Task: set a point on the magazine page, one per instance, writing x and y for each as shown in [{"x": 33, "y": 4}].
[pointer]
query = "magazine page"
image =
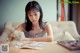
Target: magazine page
[{"x": 29, "y": 45}]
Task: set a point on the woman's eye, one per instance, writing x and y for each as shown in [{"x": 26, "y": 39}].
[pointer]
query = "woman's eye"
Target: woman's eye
[
  {"x": 35, "y": 14},
  {"x": 30, "y": 15}
]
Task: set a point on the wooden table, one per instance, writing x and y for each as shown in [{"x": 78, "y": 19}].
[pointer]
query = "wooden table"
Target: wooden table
[{"x": 51, "y": 47}]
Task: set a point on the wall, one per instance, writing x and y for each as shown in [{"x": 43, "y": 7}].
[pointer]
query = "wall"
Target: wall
[
  {"x": 76, "y": 16},
  {"x": 13, "y": 10}
]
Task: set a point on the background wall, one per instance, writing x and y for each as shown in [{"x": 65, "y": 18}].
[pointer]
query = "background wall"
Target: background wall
[{"x": 14, "y": 10}]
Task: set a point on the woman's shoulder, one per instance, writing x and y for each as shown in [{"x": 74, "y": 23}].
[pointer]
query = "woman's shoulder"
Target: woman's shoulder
[
  {"x": 21, "y": 26},
  {"x": 47, "y": 25}
]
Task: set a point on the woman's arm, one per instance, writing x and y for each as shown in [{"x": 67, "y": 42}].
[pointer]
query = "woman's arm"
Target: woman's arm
[
  {"x": 49, "y": 31},
  {"x": 49, "y": 38},
  {"x": 41, "y": 39}
]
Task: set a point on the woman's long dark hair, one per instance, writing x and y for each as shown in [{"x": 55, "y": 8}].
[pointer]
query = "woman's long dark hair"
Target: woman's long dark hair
[{"x": 32, "y": 5}]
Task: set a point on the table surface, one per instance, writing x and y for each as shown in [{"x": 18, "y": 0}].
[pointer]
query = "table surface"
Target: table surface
[{"x": 51, "y": 47}]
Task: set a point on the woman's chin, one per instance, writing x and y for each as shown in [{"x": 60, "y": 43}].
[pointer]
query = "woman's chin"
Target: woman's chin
[{"x": 35, "y": 22}]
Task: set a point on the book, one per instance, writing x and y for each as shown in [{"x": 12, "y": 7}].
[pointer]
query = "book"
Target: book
[{"x": 70, "y": 44}]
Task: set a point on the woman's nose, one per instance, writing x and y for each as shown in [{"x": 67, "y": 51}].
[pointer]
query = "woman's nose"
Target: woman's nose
[{"x": 34, "y": 18}]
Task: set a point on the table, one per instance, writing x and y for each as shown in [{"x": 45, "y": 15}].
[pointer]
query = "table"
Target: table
[{"x": 51, "y": 47}]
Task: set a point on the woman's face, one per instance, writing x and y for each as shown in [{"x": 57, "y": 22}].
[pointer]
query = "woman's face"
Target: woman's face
[{"x": 34, "y": 16}]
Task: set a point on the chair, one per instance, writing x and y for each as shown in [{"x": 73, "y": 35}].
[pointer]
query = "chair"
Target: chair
[
  {"x": 67, "y": 28},
  {"x": 62, "y": 30}
]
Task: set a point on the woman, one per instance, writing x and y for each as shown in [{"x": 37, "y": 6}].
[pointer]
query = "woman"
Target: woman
[{"x": 34, "y": 28}]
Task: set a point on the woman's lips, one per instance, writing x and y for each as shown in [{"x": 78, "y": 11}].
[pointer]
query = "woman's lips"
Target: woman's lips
[{"x": 34, "y": 21}]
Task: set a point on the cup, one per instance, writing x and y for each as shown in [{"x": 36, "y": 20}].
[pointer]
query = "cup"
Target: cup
[{"x": 4, "y": 48}]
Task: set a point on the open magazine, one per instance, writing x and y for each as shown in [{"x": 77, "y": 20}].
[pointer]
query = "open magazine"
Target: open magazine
[
  {"x": 30, "y": 45},
  {"x": 70, "y": 44}
]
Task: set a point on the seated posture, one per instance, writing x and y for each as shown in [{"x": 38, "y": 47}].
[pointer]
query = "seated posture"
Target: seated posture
[{"x": 34, "y": 28}]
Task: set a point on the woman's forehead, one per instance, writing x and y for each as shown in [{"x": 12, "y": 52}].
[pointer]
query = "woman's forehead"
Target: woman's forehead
[{"x": 32, "y": 11}]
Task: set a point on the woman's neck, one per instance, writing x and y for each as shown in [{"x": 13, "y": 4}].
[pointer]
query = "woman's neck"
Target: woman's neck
[{"x": 36, "y": 26}]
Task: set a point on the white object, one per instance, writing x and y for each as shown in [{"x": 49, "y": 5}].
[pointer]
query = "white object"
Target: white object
[{"x": 19, "y": 35}]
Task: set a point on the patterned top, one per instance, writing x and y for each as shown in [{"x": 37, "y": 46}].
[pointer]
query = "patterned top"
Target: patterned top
[{"x": 41, "y": 34}]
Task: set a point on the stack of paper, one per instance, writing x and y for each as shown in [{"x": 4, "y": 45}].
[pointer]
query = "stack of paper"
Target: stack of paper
[{"x": 31, "y": 45}]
